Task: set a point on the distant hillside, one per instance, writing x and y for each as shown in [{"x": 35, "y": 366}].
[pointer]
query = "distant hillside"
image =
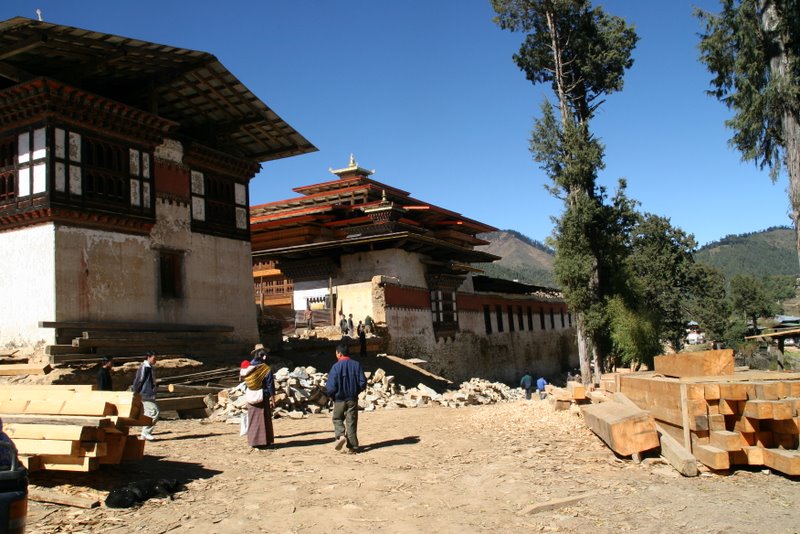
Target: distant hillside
[
  {"x": 768, "y": 252},
  {"x": 523, "y": 259}
]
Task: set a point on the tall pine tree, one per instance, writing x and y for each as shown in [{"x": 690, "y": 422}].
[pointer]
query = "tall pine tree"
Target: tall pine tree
[{"x": 582, "y": 52}]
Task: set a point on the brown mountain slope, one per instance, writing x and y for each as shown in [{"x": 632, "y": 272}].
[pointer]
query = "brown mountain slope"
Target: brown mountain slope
[{"x": 523, "y": 259}]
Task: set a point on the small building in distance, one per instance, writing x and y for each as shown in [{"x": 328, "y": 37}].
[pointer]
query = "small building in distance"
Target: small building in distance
[
  {"x": 357, "y": 246},
  {"x": 124, "y": 190}
]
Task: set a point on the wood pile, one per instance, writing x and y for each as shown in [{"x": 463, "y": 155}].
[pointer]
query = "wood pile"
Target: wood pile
[
  {"x": 71, "y": 428},
  {"x": 724, "y": 420},
  {"x": 87, "y": 342}
]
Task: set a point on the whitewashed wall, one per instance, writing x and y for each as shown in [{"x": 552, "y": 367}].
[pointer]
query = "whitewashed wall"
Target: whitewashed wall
[{"x": 27, "y": 286}]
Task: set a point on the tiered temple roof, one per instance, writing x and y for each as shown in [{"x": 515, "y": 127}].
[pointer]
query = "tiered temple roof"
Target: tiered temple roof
[{"x": 356, "y": 213}]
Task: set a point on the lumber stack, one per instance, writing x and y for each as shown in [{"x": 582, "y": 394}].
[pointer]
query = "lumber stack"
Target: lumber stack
[
  {"x": 740, "y": 418},
  {"x": 71, "y": 428},
  {"x": 88, "y": 341}
]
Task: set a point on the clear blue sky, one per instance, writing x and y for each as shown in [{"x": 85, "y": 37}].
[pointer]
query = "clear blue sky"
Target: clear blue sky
[{"x": 426, "y": 93}]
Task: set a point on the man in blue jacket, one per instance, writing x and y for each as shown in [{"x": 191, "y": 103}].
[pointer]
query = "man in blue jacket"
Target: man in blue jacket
[
  {"x": 345, "y": 381},
  {"x": 145, "y": 385}
]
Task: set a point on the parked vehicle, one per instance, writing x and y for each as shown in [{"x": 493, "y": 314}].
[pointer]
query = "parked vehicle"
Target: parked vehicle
[{"x": 13, "y": 494}]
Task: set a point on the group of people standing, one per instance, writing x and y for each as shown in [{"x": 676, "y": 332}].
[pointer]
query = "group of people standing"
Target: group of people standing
[
  {"x": 347, "y": 330},
  {"x": 526, "y": 383},
  {"x": 346, "y": 380}
]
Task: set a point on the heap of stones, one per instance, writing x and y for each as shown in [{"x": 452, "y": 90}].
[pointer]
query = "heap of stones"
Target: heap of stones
[{"x": 302, "y": 391}]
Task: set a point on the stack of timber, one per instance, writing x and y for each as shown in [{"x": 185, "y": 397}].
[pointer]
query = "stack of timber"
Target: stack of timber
[
  {"x": 71, "y": 428},
  {"x": 563, "y": 398},
  {"x": 86, "y": 342},
  {"x": 724, "y": 418},
  {"x": 13, "y": 365}
]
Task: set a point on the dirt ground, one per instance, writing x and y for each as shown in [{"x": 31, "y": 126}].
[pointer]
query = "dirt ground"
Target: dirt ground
[{"x": 434, "y": 469}]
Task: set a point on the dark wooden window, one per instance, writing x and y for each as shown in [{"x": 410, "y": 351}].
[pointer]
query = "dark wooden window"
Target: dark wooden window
[
  {"x": 171, "y": 274},
  {"x": 569, "y": 318},
  {"x": 520, "y": 319},
  {"x": 220, "y": 201},
  {"x": 530, "y": 318},
  {"x": 487, "y": 318},
  {"x": 563, "y": 323},
  {"x": 8, "y": 176},
  {"x": 510, "y": 310},
  {"x": 498, "y": 310},
  {"x": 541, "y": 318},
  {"x": 105, "y": 171},
  {"x": 443, "y": 308},
  {"x": 552, "y": 319}
]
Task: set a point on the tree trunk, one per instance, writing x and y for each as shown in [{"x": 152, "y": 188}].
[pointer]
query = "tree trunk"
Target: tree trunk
[
  {"x": 583, "y": 350},
  {"x": 781, "y": 69}
]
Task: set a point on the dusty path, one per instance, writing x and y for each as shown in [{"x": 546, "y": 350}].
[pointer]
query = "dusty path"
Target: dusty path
[{"x": 422, "y": 470}]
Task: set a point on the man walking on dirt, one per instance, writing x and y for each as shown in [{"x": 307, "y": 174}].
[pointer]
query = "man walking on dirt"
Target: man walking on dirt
[
  {"x": 345, "y": 381},
  {"x": 145, "y": 385}
]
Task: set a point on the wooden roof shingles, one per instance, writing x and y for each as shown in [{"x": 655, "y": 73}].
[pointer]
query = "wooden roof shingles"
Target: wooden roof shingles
[{"x": 189, "y": 87}]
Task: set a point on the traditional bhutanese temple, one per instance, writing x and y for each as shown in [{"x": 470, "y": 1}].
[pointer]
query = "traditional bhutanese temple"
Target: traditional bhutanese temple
[{"x": 355, "y": 245}]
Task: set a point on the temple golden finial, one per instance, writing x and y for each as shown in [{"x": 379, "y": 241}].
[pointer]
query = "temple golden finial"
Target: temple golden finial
[{"x": 353, "y": 160}]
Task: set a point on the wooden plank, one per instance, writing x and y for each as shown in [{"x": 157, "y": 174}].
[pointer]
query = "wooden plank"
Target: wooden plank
[
  {"x": 768, "y": 390},
  {"x": 32, "y": 447},
  {"x": 728, "y": 407},
  {"x": 43, "y": 495},
  {"x": 24, "y": 369},
  {"x": 134, "y": 326},
  {"x": 716, "y": 422},
  {"x": 31, "y": 463},
  {"x": 712, "y": 457},
  {"x": 701, "y": 363},
  {"x": 787, "y": 462},
  {"x": 134, "y": 448},
  {"x": 577, "y": 390},
  {"x": 190, "y": 390},
  {"x": 625, "y": 429},
  {"x": 68, "y": 463},
  {"x": 769, "y": 409},
  {"x": 678, "y": 456},
  {"x": 115, "y": 446},
  {"x": 733, "y": 391},
  {"x": 687, "y": 441},
  {"x": 182, "y": 403},
  {"x": 755, "y": 455},
  {"x": 97, "y": 422},
  {"x": 726, "y": 440},
  {"x": 747, "y": 424},
  {"x": 57, "y": 432},
  {"x": 785, "y": 440}
]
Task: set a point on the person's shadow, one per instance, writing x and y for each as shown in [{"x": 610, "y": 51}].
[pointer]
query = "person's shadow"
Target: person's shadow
[{"x": 408, "y": 440}]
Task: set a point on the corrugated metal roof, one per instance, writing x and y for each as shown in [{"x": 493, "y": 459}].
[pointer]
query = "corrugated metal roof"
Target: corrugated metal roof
[{"x": 186, "y": 86}]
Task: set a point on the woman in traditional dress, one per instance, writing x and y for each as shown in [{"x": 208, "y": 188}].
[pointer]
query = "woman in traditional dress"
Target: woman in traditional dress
[{"x": 260, "y": 397}]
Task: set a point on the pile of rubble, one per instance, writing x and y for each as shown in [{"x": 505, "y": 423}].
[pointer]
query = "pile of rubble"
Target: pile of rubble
[{"x": 302, "y": 391}]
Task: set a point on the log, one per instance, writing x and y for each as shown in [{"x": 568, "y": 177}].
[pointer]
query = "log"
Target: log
[
  {"x": 24, "y": 369},
  {"x": 58, "y": 432},
  {"x": 673, "y": 452},
  {"x": 192, "y": 390},
  {"x": 787, "y": 462},
  {"x": 702, "y": 363},
  {"x": 577, "y": 390},
  {"x": 712, "y": 456},
  {"x": 625, "y": 429},
  {"x": 42, "y": 495},
  {"x": 96, "y": 422},
  {"x": 182, "y": 403}
]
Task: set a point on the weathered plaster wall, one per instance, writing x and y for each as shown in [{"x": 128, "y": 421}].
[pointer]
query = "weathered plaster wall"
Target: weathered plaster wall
[
  {"x": 107, "y": 276},
  {"x": 404, "y": 267},
  {"x": 499, "y": 356},
  {"x": 27, "y": 285}
]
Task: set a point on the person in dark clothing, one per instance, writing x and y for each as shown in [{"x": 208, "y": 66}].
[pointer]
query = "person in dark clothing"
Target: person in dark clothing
[
  {"x": 526, "y": 383},
  {"x": 145, "y": 385},
  {"x": 362, "y": 339},
  {"x": 104, "y": 374},
  {"x": 345, "y": 381}
]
